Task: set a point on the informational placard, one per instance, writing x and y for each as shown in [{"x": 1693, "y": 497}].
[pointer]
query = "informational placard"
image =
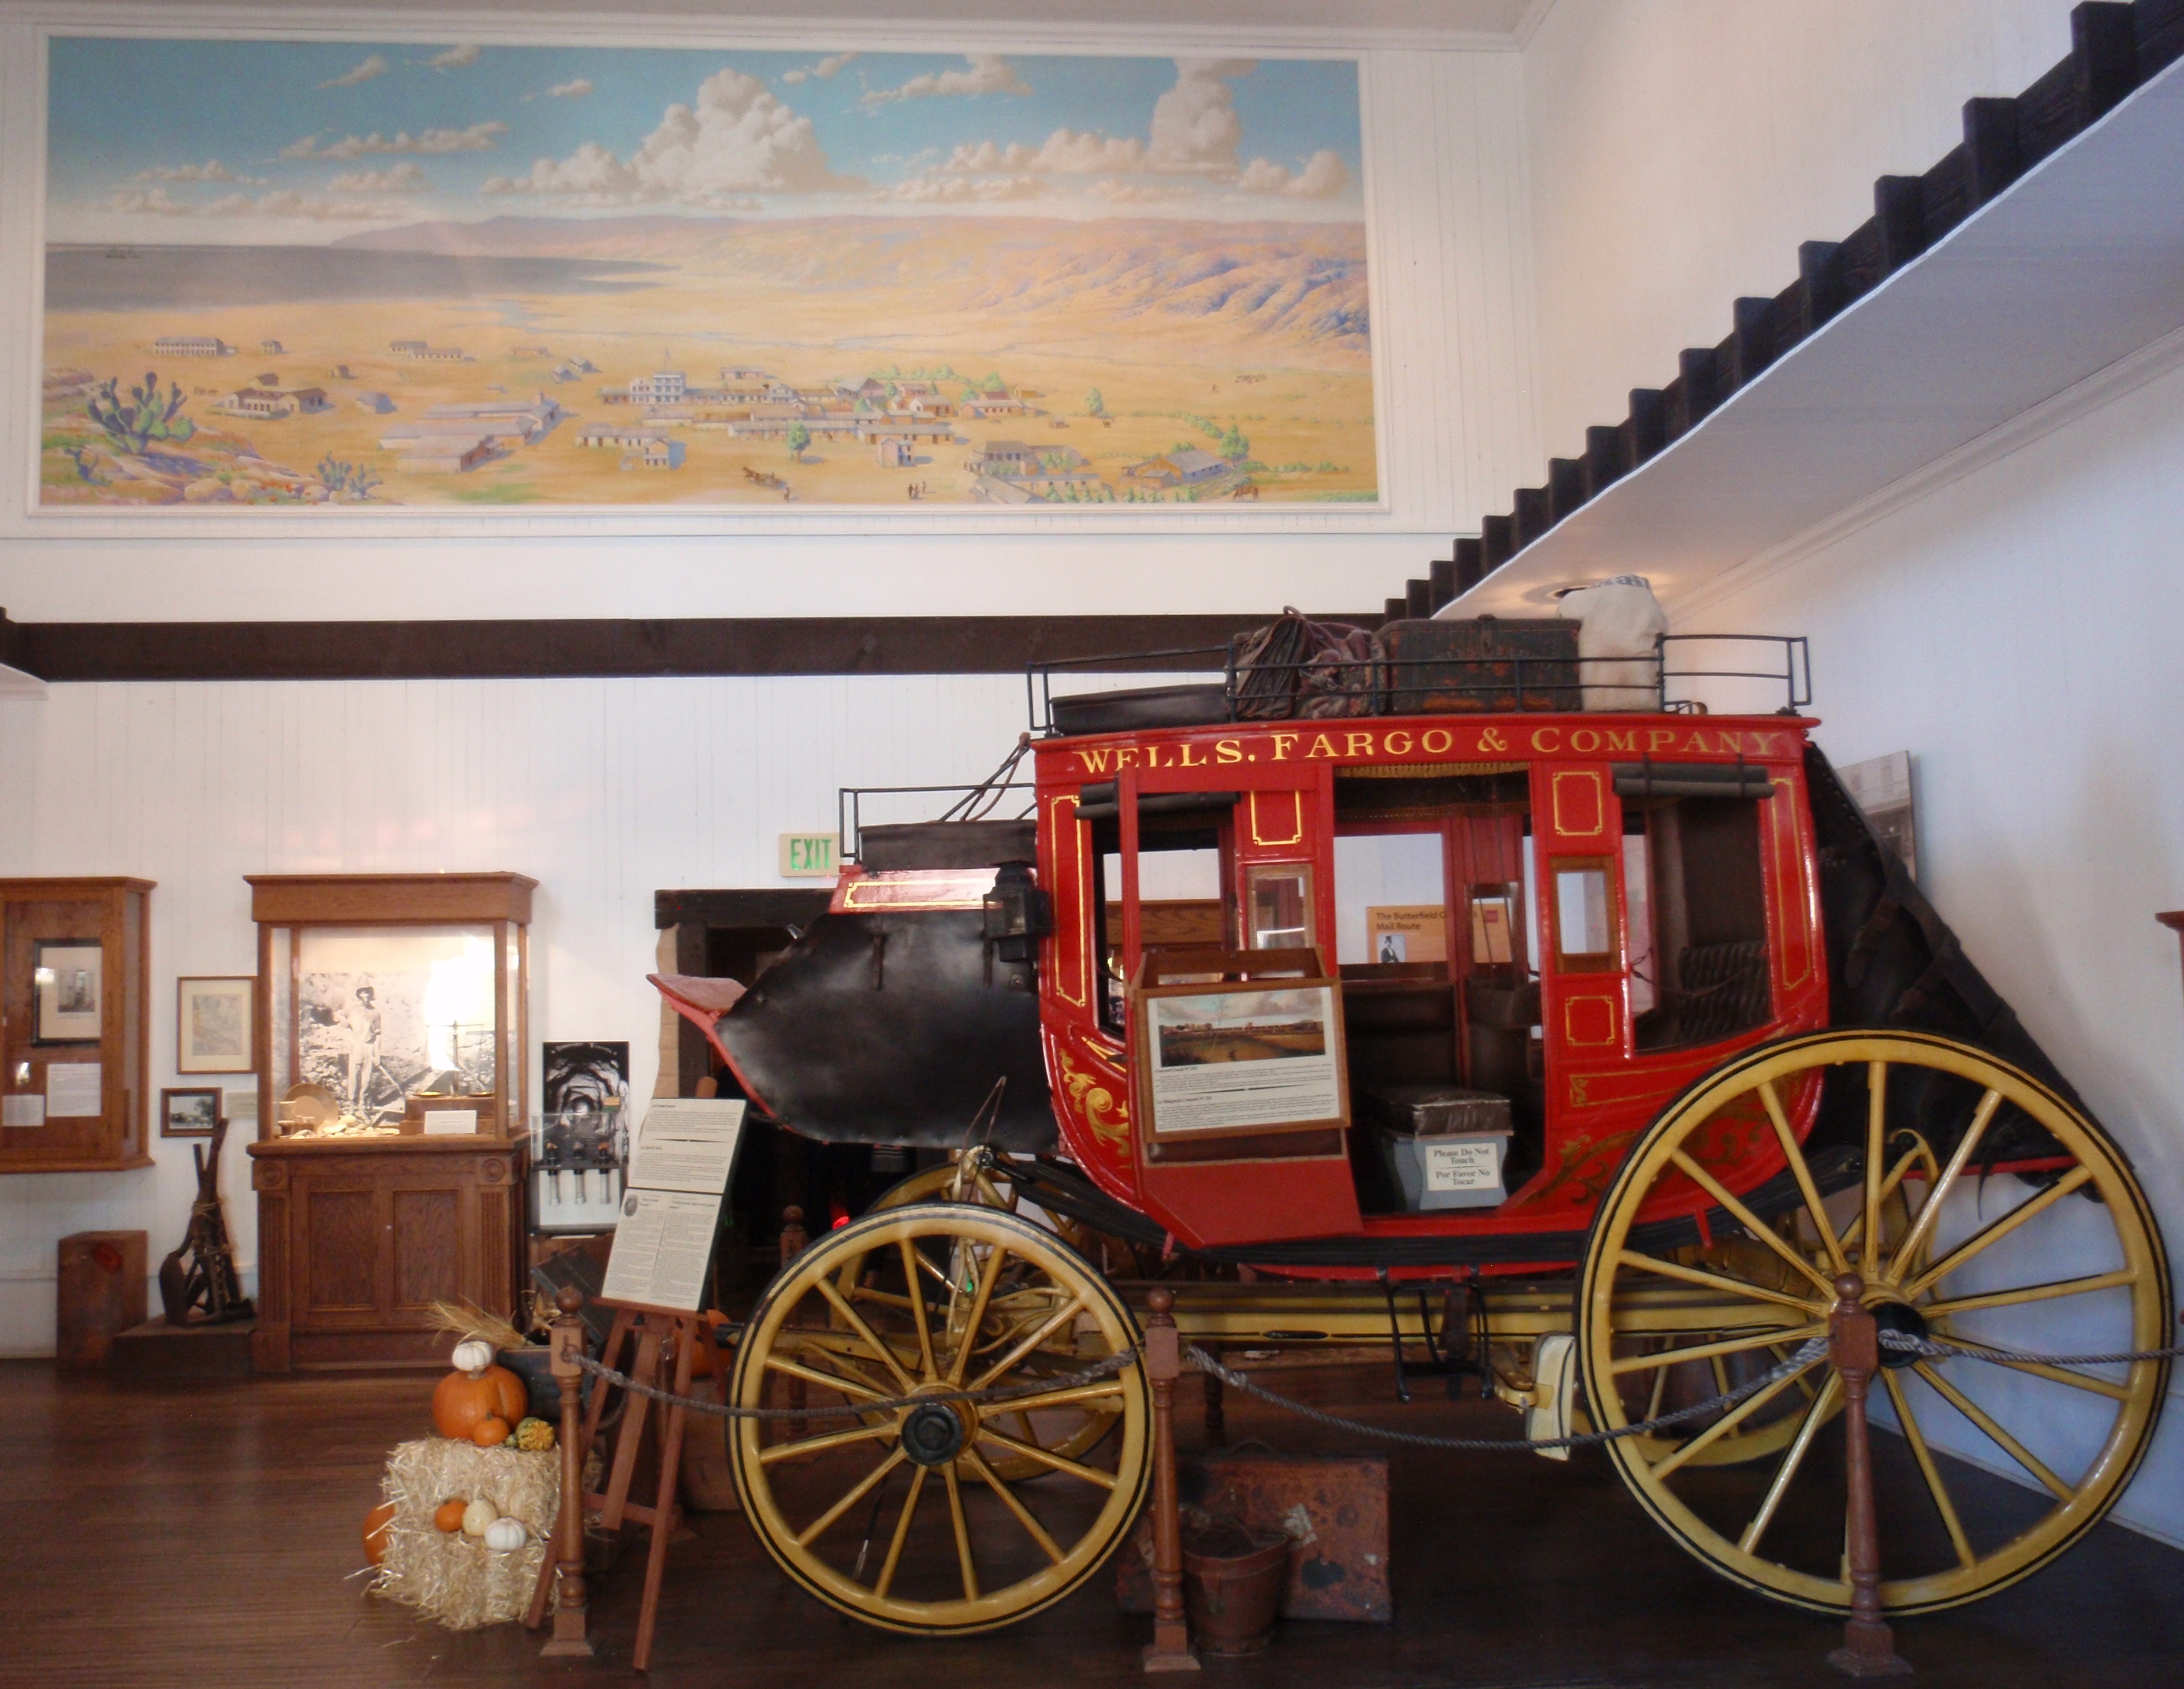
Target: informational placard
[
  {"x": 451, "y": 1123},
  {"x": 23, "y": 1109},
  {"x": 1466, "y": 1164},
  {"x": 72, "y": 1091},
  {"x": 660, "y": 1250},
  {"x": 1406, "y": 932},
  {"x": 678, "y": 1172},
  {"x": 688, "y": 1144},
  {"x": 1246, "y": 1057}
]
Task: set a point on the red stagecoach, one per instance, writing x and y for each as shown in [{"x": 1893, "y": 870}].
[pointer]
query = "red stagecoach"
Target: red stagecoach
[{"x": 1412, "y": 1001}]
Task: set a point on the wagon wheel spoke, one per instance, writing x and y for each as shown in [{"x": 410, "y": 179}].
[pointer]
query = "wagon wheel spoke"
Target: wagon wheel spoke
[
  {"x": 1075, "y": 1395},
  {"x": 1995, "y": 1433},
  {"x": 1750, "y": 1222},
  {"x": 857, "y": 1392},
  {"x": 819, "y": 1445},
  {"x": 1721, "y": 1384},
  {"x": 1038, "y": 1532},
  {"x": 2077, "y": 1381},
  {"x": 1795, "y": 1157},
  {"x": 886, "y": 1579},
  {"x": 1816, "y": 1415},
  {"x": 977, "y": 1317},
  {"x": 2029, "y": 1293},
  {"x": 1031, "y": 1451},
  {"x": 883, "y": 1352},
  {"x": 1930, "y": 1210},
  {"x": 1911, "y": 1157},
  {"x": 910, "y": 1260},
  {"x": 1715, "y": 1281},
  {"x": 963, "y": 1561},
  {"x": 1727, "y": 1423},
  {"x": 1994, "y": 1233},
  {"x": 1876, "y": 1138},
  {"x": 1928, "y": 1469},
  {"x": 1060, "y": 1317},
  {"x": 819, "y": 1527}
]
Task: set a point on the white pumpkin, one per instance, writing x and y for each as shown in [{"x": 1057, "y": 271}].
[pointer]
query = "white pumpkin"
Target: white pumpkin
[
  {"x": 478, "y": 1517},
  {"x": 505, "y": 1534},
  {"x": 473, "y": 1356}
]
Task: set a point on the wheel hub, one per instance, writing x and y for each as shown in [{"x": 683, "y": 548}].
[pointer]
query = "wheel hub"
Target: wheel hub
[
  {"x": 932, "y": 1434},
  {"x": 1896, "y": 1316}
]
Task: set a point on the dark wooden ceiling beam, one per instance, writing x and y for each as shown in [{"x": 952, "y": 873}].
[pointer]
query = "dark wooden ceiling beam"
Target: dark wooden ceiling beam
[{"x": 65, "y": 651}]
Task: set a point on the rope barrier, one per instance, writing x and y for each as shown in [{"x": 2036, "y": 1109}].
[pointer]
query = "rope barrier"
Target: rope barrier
[{"x": 1809, "y": 1354}]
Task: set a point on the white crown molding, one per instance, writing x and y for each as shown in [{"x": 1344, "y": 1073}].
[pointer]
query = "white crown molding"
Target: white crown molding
[
  {"x": 15, "y": 684},
  {"x": 606, "y": 25},
  {"x": 2103, "y": 386}
]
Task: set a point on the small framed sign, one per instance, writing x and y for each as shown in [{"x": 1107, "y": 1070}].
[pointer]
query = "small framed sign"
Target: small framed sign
[
  {"x": 214, "y": 1024},
  {"x": 1226, "y": 1056},
  {"x": 70, "y": 974},
  {"x": 810, "y": 856}
]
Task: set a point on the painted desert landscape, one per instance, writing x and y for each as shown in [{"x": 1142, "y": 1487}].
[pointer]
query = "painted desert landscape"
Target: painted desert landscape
[{"x": 998, "y": 325}]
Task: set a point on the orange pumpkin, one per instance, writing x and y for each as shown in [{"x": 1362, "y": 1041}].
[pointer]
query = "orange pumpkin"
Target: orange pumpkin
[
  {"x": 449, "y": 1516},
  {"x": 463, "y": 1399},
  {"x": 489, "y": 1433},
  {"x": 374, "y": 1531}
]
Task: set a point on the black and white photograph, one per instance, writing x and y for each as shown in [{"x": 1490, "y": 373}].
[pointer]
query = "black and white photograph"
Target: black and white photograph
[
  {"x": 380, "y": 1016},
  {"x": 580, "y": 1078},
  {"x": 69, "y": 973},
  {"x": 213, "y": 1024},
  {"x": 188, "y": 1113}
]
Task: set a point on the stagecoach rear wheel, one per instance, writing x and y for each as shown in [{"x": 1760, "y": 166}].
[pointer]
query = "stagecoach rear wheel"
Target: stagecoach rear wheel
[
  {"x": 906, "y": 1517},
  {"x": 2026, "y": 1264}
]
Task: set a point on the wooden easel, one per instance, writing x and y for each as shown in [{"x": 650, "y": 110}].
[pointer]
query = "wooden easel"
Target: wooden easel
[{"x": 663, "y": 1343}]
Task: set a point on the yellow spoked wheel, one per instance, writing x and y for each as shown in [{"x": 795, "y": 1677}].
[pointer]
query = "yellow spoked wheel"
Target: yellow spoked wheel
[
  {"x": 907, "y": 1517},
  {"x": 983, "y": 1177},
  {"x": 1946, "y": 1251}
]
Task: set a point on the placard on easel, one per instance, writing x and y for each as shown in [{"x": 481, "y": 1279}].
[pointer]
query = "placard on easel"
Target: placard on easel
[{"x": 655, "y": 1281}]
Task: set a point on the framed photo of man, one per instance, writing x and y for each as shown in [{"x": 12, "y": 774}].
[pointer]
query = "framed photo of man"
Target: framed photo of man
[
  {"x": 213, "y": 1022},
  {"x": 70, "y": 974}
]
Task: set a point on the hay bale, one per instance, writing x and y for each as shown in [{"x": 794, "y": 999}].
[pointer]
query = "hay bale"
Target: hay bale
[{"x": 449, "y": 1577}]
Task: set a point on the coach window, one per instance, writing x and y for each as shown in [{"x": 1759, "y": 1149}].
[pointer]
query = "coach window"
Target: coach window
[
  {"x": 1702, "y": 954},
  {"x": 1277, "y": 906},
  {"x": 1179, "y": 901},
  {"x": 1581, "y": 891}
]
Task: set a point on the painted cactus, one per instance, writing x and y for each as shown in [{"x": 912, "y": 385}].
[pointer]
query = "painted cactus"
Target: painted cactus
[{"x": 144, "y": 420}]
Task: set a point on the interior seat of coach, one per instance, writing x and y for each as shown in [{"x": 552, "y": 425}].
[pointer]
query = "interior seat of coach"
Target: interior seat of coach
[{"x": 1441, "y": 938}]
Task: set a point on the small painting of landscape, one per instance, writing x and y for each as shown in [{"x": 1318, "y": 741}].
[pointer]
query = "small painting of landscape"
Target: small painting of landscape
[
  {"x": 1257, "y": 1025},
  {"x": 360, "y": 277}
]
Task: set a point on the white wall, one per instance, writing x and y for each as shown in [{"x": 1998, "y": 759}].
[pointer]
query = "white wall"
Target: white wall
[
  {"x": 2017, "y": 632},
  {"x": 1681, "y": 149},
  {"x": 603, "y": 791}
]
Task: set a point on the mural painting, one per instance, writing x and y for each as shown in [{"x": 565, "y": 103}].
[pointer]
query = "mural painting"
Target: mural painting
[{"x": 357, "y": 277}]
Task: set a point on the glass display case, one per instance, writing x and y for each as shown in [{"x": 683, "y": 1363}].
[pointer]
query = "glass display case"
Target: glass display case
[{"x": 392, "y": 1004}]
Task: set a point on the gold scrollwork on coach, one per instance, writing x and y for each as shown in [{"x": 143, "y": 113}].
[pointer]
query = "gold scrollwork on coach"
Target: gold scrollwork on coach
[{"x": 1108, "y": 1117}]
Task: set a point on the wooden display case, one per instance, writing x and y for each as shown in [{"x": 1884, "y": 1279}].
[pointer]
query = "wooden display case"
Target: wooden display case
[
  {"x": 73, "y": 997},
  {"x": 385, "y": 990}
]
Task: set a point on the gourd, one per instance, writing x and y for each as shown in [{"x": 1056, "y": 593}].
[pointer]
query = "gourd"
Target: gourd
[
  {"x": 489, "y": 1432},
  {"x": 505, "y": 1533},
  {"x": 478, "y": 1517},
  {"x": 376, "y": 1524},
  {"x": 448, "y": 1517},
  {"x": 533, "y": 1436},
  {"x": 477, "y": 1389}
]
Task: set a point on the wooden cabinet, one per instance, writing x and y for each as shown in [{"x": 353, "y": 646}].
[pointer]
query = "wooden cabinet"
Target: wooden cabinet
[
  {"x": 73, "y": 998},
  {"x": 358, "y": 1238}
]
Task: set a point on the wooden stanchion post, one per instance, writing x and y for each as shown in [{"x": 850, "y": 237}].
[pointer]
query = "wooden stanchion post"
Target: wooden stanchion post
[
  {"x": 1869, "y": 1648},
  {"x": 1170, "y": 1649},
  {"x": 569, "y": 1612}
]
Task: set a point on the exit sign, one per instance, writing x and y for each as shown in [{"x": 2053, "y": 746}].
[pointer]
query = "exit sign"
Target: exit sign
[{"x": 810, "y": 856}]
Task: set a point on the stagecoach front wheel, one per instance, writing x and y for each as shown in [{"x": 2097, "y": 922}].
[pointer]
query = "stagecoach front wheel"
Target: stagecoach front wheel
[
  {"x": 939, "y": 1517},
  {"x": 2057, "y": 1252}
]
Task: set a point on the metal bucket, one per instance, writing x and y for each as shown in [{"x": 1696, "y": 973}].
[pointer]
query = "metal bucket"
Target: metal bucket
[{"x": 1233, "y": 1581}]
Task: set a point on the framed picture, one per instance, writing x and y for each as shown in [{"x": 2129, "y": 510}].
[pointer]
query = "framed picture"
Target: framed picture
[
  {"x": 581, "y": 1078},
  {"x": 188, "y": 1113},
  {"x": 1230, "y": 1058},
  {"x": 70, "y": 978},
  {"x": 213, "y": 1022}
]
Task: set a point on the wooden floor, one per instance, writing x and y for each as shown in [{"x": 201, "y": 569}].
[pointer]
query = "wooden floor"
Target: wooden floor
[{"x": 187, "y": 1535}]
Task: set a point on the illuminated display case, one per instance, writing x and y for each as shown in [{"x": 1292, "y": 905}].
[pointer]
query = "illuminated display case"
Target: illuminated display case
[{"x": 400, "y": 1000}]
